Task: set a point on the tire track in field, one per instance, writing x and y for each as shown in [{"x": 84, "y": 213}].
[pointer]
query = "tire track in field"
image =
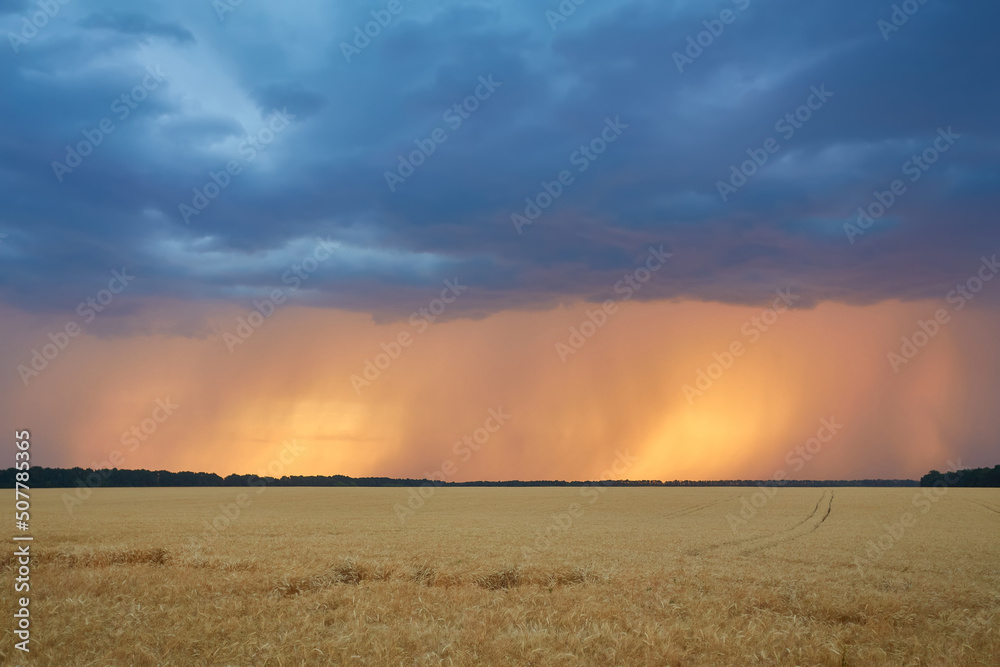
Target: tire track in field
[
  {"x": 691, "y": 510},
  {"x": 801, "y": 533},
  {"x": 829, "y": 509},
  {"x": 687, "y": 510},
  {"x": 984, "y": 505},
  {"x": 815, "y": 509},
  {"x": 775, "y": 536}
]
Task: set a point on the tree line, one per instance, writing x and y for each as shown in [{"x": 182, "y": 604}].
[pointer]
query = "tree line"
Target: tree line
[
  {"x": 41, "y": 478},
  {"x": 969, "y": 477}
]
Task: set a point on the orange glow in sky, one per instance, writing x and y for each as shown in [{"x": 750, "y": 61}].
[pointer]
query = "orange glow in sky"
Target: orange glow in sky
[{"x": 622, "y": 391}]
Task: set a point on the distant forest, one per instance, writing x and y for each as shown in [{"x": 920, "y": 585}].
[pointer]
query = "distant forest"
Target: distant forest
[
  {"x": 114, "y": 477},
  {"x": 87, "y": 477},
  {"x": 969, "y": 477}
]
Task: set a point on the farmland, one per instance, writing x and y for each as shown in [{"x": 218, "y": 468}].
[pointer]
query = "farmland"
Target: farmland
[{"x": 513, "y": 576}]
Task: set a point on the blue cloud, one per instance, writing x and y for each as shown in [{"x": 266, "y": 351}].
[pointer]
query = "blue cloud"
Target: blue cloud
[{"x": 324, "y": 175}]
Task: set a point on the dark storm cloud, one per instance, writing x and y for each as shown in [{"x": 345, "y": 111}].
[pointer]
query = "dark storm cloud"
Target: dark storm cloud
[
  {"x": 138, "y": 25},
  {"x": 324, "y": 174}
]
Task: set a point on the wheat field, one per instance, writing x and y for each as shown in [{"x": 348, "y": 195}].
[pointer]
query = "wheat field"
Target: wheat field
[{"x": 513, "y": 576}]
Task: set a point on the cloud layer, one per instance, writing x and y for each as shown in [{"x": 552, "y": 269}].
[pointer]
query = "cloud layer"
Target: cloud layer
[{"x": 324, "y": 175}]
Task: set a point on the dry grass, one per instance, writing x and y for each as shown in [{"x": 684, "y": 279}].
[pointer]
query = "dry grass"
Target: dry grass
[{"x": 642, "y": 577}]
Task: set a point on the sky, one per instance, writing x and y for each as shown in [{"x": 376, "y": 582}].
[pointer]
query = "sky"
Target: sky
[{"x": 484, "y": 240}]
